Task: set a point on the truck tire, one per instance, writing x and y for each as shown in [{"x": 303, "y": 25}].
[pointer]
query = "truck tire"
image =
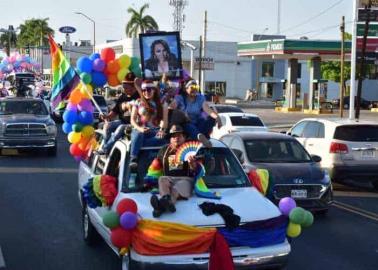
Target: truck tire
[
  {"x": 90, "y": 235},
  {"x": 51, "y": 152}
]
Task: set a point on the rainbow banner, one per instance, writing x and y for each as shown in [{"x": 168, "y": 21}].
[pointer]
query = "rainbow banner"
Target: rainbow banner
[{"x": 65, "y": 78}]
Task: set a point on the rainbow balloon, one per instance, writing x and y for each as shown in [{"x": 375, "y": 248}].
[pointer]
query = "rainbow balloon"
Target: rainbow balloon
[
  {"x": 200, "y": 187},
  {"x": 187, "y": 149}
]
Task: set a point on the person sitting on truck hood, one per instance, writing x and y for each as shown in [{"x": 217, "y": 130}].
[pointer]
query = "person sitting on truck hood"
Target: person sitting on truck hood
[{"x": 177, "y": 181}]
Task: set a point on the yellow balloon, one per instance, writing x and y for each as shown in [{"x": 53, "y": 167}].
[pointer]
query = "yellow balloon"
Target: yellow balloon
[
  {"x": 84, "y": 92},
  {"x": 87, "y": 131},
  {"x": 293, "y": 230},
  {"x": 74, "y": 137},
  {"x": 124, "y": 61},
  {"x": 122, "y": 73}
]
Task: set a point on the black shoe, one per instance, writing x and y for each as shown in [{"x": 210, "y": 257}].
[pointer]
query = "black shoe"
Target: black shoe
[
  {"x": 202, "y": 138},
  {"x": 133, "y": 164},
  {"x": 158, "y": 209},
  {"x": 167, "y": 204}
]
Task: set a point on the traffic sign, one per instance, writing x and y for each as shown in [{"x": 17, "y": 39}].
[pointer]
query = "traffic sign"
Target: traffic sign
[
  {"x": 364, "y": 14},
  {"x": 67, "y": 29},
  {"x": 204, "y": 63},
  {"x": 373, "y": 30},
  {"x": 370, "y": 57},
  {"x": 371, "y": 44}
]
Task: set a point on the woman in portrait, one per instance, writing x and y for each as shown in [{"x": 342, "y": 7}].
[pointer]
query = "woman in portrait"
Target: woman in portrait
[{"x": 162, "y": 60}]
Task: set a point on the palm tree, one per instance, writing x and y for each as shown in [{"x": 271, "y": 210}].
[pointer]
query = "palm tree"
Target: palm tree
[
  {"x": 8, "y": 40},
  {"x": 139, "y": 23},
  {"x": 34, "y": 33}
]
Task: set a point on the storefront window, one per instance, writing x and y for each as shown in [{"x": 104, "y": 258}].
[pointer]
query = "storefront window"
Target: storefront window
[
  {"x": 267, "y": 69},
  {"x": 216, "y": 88}
]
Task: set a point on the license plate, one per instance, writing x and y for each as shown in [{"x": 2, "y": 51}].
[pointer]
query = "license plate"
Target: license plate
[
  {"x": 368, "y": 154},
  {"x": 9, "y": 152},
  {"x": 299, "y": 193}
]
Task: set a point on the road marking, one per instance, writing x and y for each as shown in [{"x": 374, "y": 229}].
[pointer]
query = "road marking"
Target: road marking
[
  {"x": 355, "y": 194},
  {"x": 356, "y": 210},
  {"x": 36, "y": 170},
  {"x": 2, "y": 261}
]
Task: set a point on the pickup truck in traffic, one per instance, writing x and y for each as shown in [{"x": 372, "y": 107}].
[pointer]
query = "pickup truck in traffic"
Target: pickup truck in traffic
[{"x": 227, "y": 177}]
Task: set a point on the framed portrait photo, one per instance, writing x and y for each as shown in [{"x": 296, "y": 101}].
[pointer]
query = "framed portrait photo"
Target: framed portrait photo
[{"x": 160, "y": 54}]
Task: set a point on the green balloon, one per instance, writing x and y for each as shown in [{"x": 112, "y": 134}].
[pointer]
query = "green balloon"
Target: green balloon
[
  {"x": 137, "y": 71},
  {"x": 86, "y": 77},
  {"x": 77, "y": 127},
  {"x": 297, "y": 215},
  {"x": 308, "y": 220},
  {"x": 111, "y": 219},
  {"x": 134, "y": 63}
]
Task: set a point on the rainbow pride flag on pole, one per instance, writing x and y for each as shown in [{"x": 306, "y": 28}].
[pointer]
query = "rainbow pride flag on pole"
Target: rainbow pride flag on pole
[{"x": 65, "y": 78}]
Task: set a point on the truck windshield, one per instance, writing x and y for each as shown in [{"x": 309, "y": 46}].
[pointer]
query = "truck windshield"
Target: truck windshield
[{"x": 34, "y": 107}]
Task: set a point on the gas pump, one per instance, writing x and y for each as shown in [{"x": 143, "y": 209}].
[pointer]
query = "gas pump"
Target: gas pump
[{"x": 320, "y": 93}]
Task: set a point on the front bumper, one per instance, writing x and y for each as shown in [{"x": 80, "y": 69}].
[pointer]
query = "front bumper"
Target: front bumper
[
  {"x": 361, "y": 173},
  {"x": 244, "y": 258},
  {"x": 27, "y": 143},
  {"x": 317, "y": 199}
]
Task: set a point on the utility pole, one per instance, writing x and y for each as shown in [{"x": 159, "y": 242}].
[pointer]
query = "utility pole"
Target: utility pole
[
  {"x": 342, "y": 81},
  {"x": 200, "y": 63},
  {"x": 278, "y": 17},
  {"x": 203, "y": 83},
  {"x": 353, "y": 57},
  {"x": 362, "y": 64}
]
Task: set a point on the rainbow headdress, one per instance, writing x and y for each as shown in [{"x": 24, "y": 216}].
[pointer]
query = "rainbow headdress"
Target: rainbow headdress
[{"x": 200, "y": 188}]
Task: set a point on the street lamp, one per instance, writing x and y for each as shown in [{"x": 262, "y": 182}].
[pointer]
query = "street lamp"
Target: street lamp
[
  {"x": 192, "y": 49},
  {"x": 94, "y": 28}
]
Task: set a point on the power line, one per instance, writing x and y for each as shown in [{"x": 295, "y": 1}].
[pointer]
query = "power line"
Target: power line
[
  {"x": 313, "y": 17},
  {"x": 321, "y": 29}
]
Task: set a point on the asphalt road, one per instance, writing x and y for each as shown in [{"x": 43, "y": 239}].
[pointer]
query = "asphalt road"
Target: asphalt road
[{"x": 40, "y": 223}]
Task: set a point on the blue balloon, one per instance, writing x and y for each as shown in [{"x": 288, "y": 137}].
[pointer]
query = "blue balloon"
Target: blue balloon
[
  {"x": 98, "y": 79},
  {"x": 67, "y": 128},
  {"x": 86, "y": 118},
  {"x": 94, "y": 56},
  {"x": 70, "y": 117},
  {"x": 84, "y": 64}
]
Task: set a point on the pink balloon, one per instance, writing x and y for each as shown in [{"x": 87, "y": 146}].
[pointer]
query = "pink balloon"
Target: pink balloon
[
  {"x": 71, "y": 107},
  {"x": 98, "y": 65},
  {"x": 84, "y": 105}
]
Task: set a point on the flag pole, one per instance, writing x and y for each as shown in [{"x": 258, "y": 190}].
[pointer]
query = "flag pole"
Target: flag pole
[{"x": 91, "y": 96}]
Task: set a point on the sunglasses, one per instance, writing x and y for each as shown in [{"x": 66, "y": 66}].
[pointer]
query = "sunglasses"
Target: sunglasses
[{"x": 148, "y": 89}]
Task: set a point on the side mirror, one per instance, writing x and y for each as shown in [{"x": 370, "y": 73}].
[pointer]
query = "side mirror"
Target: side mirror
[
  {"x": 316, "y": 158},
  {"x": 239, "y": 154},
  {"x": 283, "y": 132}
]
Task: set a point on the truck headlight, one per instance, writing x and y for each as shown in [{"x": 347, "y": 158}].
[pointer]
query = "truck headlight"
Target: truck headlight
[{"x": 51, "y": 130}]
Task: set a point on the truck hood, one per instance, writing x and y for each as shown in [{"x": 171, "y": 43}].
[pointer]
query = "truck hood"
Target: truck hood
[
  {"x": 25, "y": 118},
  {"x": 247, "y": 203}
]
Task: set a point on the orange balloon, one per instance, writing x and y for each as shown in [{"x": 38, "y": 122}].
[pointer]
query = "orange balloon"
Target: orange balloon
[
  {"x": 112, "y": 67},
  {"x": 75, "y": 97},
  {"x": 83, "y": 143},
  {"x": 113, "y": 80}
]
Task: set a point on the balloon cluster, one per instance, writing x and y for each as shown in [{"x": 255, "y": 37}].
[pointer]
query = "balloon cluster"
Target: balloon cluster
[
  {"x": 101, "y": 68},
  {"x": 122, "y": 222},
  {"x": 299, "y": 217},
  {"x": 17, "y": 63},
  {"x": 100, "y": 190}
]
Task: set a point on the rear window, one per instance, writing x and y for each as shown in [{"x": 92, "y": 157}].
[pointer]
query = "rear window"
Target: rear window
[
  {"x": 100, "y": 100},
  {"x": 357, "y": 133},
  {"x": 227, "y": 109},
  {"x": 246, "y": 121}
]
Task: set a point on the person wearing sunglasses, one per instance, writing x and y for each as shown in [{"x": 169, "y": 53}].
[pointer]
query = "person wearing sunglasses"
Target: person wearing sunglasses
[
  {"x": 146, "y": 119},
  {"x": 202, "y": 117},
  {"x": 162, "y": 60}
]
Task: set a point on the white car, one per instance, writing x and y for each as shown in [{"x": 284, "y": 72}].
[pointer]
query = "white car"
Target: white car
[
  {"x": 349, "y": 149},
  {"x": 228, "y": 178},
  {"x": 238, "y": 122}
]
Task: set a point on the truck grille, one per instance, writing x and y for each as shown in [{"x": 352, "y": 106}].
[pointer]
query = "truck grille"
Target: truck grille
[
  {"x": 281, "y": 191},
  {"x": 25, "y": 129}
]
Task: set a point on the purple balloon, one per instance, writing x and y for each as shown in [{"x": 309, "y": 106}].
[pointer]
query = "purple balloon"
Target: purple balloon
[
  {"x": 78, "y": 158},
  {"x": 98, "y": 65},
  {"x": 71, "y": 107},
  {"x": 128, "y": 220},
  {"x": 286, "y": 205},
  {"x": 84, "y": 105}
]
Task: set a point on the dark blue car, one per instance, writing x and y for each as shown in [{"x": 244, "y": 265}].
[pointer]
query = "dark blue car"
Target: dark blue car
[{"x": 292, "y": 171}]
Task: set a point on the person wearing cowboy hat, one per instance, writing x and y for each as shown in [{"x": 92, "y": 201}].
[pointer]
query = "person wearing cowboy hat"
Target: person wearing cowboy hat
[
  {"x": 194, "y": 104},
  {"x": 177, "y": 181},
  {"x": 122, "y": 109}
]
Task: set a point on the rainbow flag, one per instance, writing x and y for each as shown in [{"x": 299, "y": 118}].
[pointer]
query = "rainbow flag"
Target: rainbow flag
[{"x": 65, "y": 78}]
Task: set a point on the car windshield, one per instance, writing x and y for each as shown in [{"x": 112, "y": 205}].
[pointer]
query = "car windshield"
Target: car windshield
[
  {"x": 276, "y": 151},
  {"x": 34, "y": 107},
  {"x": 246, "y": 121},
  {"x": 222, "y": 168},
  {"x": 100, "y": 101}
]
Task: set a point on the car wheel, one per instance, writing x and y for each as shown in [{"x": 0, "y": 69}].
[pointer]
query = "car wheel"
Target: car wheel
[
  {"x": 322, "y": 213},
  {"x": 90, "y": 235},
  {"x": 52, "y": 151},
  {"x": 375, "y": 185}
]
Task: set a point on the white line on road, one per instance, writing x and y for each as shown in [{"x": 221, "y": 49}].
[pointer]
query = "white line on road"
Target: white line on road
[
  {"x": 338, "y": 193},
  {"x": 2, "y": 261},
  {"x": 36, "y": 170},
  {"x": 355, "y": 210}
]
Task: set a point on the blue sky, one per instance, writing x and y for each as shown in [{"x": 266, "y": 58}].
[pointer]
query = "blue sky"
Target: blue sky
[{"x": 232, "y": 20}]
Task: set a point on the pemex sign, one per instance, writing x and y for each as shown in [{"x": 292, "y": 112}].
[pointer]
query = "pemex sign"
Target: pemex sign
[{"x": 363, "y": 3}]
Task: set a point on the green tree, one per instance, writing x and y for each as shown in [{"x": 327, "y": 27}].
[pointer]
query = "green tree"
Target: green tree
[
  {"x": 33, "y": 32},
  {"x": 140, "y": 23},
  {"x": 8, "y": 40}
]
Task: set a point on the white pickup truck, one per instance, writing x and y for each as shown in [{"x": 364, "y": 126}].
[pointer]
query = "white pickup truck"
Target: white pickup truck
[{"x": 234, "y": 187}]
